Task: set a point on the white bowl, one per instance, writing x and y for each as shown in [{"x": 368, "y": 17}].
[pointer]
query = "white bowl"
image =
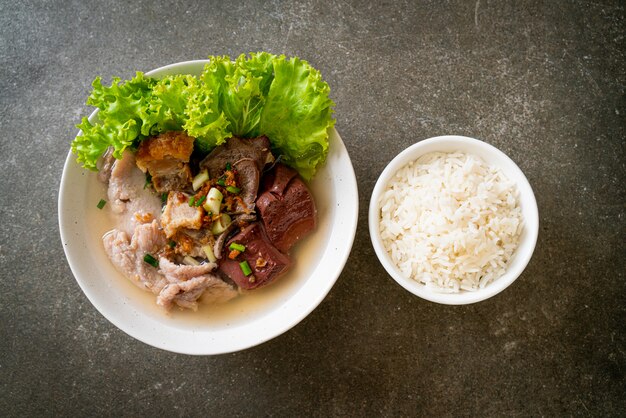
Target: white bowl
[
  {"x": 490, "y": 155},
  {"x": 241, "y": 323}
]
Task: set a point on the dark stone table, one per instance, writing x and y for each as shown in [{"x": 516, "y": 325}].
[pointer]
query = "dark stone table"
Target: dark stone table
[{"x": 543, "y": 81}]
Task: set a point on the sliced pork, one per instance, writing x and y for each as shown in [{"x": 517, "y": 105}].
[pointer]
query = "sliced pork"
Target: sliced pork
[
  {"x": 235, "y": 149},
  {"x": 127, "y": 254},
  {"x": 186, "y": 284},
  {"x": 166, "y": 157},
  {"x": 129, "y": 199},
  {"x": 265, "y": 261},
  {"x": 286, "y": 207},
  {"x": 248, "y": 176}
]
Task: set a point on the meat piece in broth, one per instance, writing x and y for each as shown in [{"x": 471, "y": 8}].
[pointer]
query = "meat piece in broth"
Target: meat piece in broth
[
  {"x": 265, "y": 261},
  {"x": 248, "y": 177},
  {"x": 129, "y": 200},
  {"x": 166, "y": 157},
  {"x": 235, "y": 149},
  {"x": 186, "y": 284},
  {"x": 286, "y": 207},
  {"x": 127, "y": 254}
]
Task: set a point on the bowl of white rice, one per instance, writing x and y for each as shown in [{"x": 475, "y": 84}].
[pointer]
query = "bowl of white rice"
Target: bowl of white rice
[{"x": 453, "y": 220}]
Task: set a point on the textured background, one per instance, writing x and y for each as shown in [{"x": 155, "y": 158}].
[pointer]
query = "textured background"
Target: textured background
[{"x": 543, "y": 81}]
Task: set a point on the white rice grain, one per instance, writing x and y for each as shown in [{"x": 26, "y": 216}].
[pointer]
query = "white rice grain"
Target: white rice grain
[{"x": 450, "y": 221}]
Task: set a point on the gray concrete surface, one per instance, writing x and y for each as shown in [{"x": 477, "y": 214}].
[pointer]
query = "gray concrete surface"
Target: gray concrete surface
[{"x": 543, "y": 81}]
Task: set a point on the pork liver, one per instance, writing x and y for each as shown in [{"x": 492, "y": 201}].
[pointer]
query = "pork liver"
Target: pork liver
[
  {"x": 286, "y": 207},
  {"x": 266, "y": 262}
]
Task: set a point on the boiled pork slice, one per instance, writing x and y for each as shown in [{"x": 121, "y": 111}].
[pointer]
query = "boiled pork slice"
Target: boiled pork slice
[
  {"x": 186, "y": 284},
  {"x": 233, "y": 150},
  {"x": 129, "y": 200},
  {"x": 173, "y": 284},
  {"x": 248, "y": 177},
  {"x": 127, "y": 254},
  {"x": 178, "y": 214},
  {"x": 286, "y": 207},
  {"x": 265, "y": 261},
  {"x": 166, "y": 157}
]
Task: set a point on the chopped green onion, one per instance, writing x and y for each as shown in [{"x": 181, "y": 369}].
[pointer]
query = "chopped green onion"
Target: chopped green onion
[
  {"x": 245, "y": 268},
  {"x": 213, "y": 201},
  {"x": 192, "y": 201},
  {"x": 221, "y": 181},
  {"x": 233, "y": 189},
  {"x": 190, "y": 261},
  {"x": 208, "y": 250},
  {"x": 148, "y": 180},
  {"x": 200, "y": 179},
  {"x": 148, "y": 258},
  {"x": 199, "y": 201},
  {"x": 228, "y": 167},
  {"x": 236, "y": 246},
  {"x": 172, "y": 244},
  {"x": 220, "y": 224},
  {"x": 163, "y": 197},
  {"x": 101, "y": 203}
]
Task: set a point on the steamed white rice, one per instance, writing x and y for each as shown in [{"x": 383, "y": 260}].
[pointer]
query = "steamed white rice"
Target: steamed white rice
[{"x": 450, "y": 221}]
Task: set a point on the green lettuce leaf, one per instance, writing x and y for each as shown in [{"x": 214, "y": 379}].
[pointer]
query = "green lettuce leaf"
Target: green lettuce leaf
[
  {"x": 94, "y": 140},
  {"x": 205, "y": 121},
  {"x": 240, "y": 88},
  {"x": 123, "y": 108},
  {"x": 167, "y": 104},
  {"x": 259, "y": 94},
  {"x": 123, "y": 101},
  {"x": 297, "y": 115}
]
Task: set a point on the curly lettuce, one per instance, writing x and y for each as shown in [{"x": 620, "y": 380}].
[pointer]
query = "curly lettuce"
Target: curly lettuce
[
  {"x": 241, "y": 88},
  {"x": 123, "y": 108},
  {"x": 205, "y": 121},
  {"x": 167, "y": 105},
  {"x": 297, "y": 115},
  {"x": 259, "y": 94}
]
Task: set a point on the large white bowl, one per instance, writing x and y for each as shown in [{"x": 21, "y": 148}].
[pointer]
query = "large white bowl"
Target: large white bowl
[
  {"x": 490, "y": 155},
  {"x": 241, "y": 323}
]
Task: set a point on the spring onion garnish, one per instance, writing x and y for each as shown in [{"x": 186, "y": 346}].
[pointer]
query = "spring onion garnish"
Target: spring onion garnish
[
  {"x": 213, "y": 201},
  {"x": 101, "y": 203},
  {"x": 200, "y": 179},
  {"x": 220, "y": 224},
  {"x": 233, "y": 189},
  {"x": 148, "y": 258},
  {"x": 163, "y": 197},
  {"x": 245, "y": 268},
  {"x": 228, "y": 167},
  {"x": 221, "y": 181},
  {"x": 237, "y": 247},
  {"x": 208, "y": 250},
  {"x": 192, "y": 201},
  {"x": 199, "y": 201},
  {"x": 190, "y": 261},
  {"x": 148, "y": 180},
  {"x": 172, "y": 244}
]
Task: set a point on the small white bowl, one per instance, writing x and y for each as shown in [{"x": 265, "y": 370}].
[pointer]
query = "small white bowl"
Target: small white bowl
[{"x": 492, "y": 156}]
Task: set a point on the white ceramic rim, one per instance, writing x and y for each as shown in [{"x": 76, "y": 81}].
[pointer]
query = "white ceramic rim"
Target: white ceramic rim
[
  {"x": 229, "y": 339},
  {"x": 528, "y": 240}
]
